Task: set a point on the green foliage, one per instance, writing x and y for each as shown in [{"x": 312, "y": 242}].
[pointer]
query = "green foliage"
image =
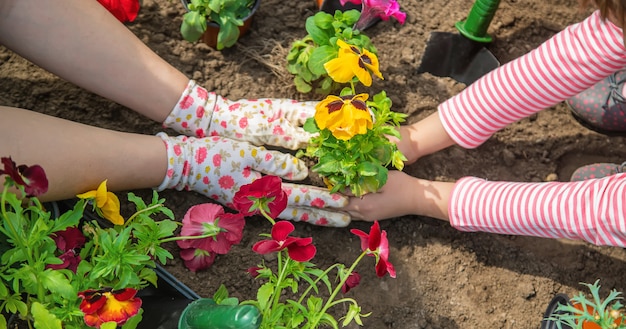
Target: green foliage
[
  {"x": 361, "y": 162},
  {"x": 580, "y": 312},
  {"x": 307, "y": 56},
  {"x": 114, "y": 256},
  {"x": 228, "y": 14}
]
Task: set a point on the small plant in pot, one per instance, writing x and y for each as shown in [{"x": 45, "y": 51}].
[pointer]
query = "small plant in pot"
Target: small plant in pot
[
  {"x": 580, "y": 312},
  {"x": 230, "y": 18}
]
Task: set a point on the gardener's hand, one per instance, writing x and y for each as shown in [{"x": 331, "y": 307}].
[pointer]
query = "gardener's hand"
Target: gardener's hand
[
  {"x": 265, "y": 121},
  {"x": 217, "y": 167}
]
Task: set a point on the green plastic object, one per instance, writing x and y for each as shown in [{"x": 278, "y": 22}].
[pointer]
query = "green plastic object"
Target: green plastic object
[
  {"x": 477, "y": 22},
  {"x": 204, "y": 313}
]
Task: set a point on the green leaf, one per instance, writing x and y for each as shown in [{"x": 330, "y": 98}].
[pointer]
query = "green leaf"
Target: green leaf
[
  {"x": 109, "y": 325},
  {"x": 3, "y": 322},
  {"x": 227, "y": 35},
  {"x": 301, "y": 85},
  {"x": 319, "y": 57},
  {"x": 193, "y": 26},
  {"x": 319, "y": 27},
  {"x": 134, "y": 321},
  {"x": 43, "y": 318},
  {"x": 264, "y": 294},
  {"x": 57, "y": 283}
]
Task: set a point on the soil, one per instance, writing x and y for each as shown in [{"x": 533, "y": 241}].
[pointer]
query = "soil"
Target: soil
[{"x": 445, "y": 278}]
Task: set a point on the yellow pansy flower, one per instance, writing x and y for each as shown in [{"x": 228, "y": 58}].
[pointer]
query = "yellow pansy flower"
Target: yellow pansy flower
[
  {"x": 344, "y": 116},
  {"x": 107, "y": 203},
  {"x": 352, "y": 61}
]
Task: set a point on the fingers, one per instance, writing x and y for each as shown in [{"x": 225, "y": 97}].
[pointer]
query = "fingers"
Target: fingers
[
  {"x": 315, "y": 216},
  {"x": 276, "y": 163},
  {"x": 313, "y": 196},
  {"x": 293, "y": 137},
  {"x": 297, "y": 113}
]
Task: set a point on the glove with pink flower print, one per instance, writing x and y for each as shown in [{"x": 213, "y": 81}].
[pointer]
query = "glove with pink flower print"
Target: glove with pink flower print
[
  {"x": 218, "y": 166},
  {"x": 264, "y": 121}
]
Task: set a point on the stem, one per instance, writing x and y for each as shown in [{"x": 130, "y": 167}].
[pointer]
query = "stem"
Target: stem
[
  {"x": 329, "y": 302},
  {"x": 352, "y": 87},
  {"x": 274, "y": 299},
  {"x": 267, "y": 216},
  {"x": 319, "y": 278},
  {"x": 188, "y": 237},
  {"x": 141, "y": 211}
]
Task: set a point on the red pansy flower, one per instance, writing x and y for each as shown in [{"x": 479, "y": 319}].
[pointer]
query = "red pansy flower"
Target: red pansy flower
[
  {"x": 33, "y": 178},
  {"x": 123, "y": 10},
  {"x": 299, "y": 249},
  {"x": 376, "y": 244},
  {"x": 207, "y": 218},
  {"x": 106, "y": 305},
  {"x": 265, "y": 193},
  {"x": 70, "y": 238},
  {"x": 352, "y": 281},
  {"x": 197, "y": 259},
  {"x": 68, "y": 241}
]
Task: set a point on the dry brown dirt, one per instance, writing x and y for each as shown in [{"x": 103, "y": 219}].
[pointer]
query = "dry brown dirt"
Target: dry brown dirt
[{"x": 445, "y": 278}]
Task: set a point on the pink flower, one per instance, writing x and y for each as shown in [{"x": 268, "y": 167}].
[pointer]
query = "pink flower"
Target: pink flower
[
  {"x": 123, "y": 10},
  {"x": 200, "y": 111},
  {"x": 217, "y": 160},
  {"x": 265, "y": 193},
  {"x": 226, "y": 182},
  {"x": 376, "y": 244},
  {"x": 352, "y": 281},
  {"x": 33, "y": 178},
  {"x": 201, "y": 155},
  {"x": 186, "y": 102},
  {"x": 243, "y": 123},
  {"x": 318, "y": 203},
  {"x": 197, "y": 259},
  {"x": 299, "y": 249},
  {"x": 209, "y": 218},
  {"x": 374, "y": 9}
]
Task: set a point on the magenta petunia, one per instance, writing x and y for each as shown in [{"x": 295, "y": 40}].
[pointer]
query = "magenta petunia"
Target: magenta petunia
[
  {"x": 197, "y": 259},
  {"x": 209, "y": 218}
]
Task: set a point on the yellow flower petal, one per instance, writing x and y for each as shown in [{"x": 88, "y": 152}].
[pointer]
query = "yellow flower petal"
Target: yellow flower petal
[
  {"x": 101, "y": 194},
  {"x": 111, "y": 209}
]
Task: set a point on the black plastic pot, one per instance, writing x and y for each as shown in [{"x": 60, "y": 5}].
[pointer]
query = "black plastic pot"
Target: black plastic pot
[{"x": 559, "y": 299}]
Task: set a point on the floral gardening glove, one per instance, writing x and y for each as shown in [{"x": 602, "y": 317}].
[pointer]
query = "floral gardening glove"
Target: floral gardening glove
[
  {"x": 217, "y": 167},
  {"x": 264, "y": 121}
]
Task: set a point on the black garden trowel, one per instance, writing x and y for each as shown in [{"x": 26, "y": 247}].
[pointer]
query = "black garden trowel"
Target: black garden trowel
[{"x": 463, "y": 56}]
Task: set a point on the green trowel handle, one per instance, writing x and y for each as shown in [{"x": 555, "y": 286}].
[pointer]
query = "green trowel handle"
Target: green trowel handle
[{"x": 478, "y": 20}]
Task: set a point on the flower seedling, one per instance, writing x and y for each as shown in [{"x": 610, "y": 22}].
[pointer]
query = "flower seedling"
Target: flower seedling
[
  {"x": 351, "y": 141},
  {"x": 583, "y": 313},
  {"x": 292, "y": 295},
  {"x": 71, "y": 272}
]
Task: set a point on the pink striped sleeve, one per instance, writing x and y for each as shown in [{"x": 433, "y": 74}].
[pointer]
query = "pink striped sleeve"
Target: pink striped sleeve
[
  {"x": 591, "y": 210},
  {"x": 568, "y": 63}
]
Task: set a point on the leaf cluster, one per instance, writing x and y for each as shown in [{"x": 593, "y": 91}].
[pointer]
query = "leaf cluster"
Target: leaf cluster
[
  {"x": 121, "y": 256},
  {"x": 228, "y": 14},
  {"x": 285, "y": 306},
  {"x": 307, "y": 56},
  {"x": 360, "y": 163},
  {"x": 580, "y": 312}
]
